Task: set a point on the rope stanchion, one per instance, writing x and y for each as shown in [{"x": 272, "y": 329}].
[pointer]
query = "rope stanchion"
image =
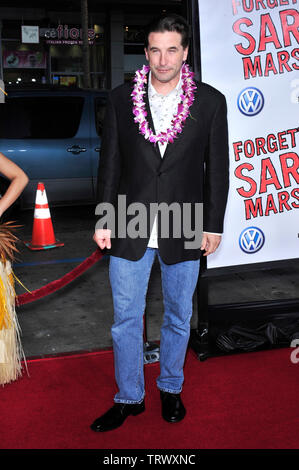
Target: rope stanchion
[{"x": 59, "y": 283}]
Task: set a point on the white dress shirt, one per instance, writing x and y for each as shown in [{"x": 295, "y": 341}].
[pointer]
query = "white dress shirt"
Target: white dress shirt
[{"x": 163, "y": 108}]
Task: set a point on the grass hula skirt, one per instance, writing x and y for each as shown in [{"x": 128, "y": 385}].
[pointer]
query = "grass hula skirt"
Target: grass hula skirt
[{"x": 11, "y": 352}]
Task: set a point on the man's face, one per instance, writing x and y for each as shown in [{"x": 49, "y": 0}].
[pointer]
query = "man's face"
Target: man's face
[{"x": 165, "y": 55}]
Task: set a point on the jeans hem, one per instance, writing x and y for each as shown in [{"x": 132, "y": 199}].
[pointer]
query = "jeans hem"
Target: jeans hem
[
  {"x": 128, "y": 402},
  {"x": 168, "y": 390}
]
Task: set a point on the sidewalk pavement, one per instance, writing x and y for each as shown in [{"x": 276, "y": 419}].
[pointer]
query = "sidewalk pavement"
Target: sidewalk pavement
[{"x": 79, "y": 316}]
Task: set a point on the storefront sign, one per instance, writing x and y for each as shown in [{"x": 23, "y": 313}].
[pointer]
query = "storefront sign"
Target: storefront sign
[
  {"x": 24, "y": 59},
  {"x": 64, "y": 34},
  {"x": 30, "y": 34}
]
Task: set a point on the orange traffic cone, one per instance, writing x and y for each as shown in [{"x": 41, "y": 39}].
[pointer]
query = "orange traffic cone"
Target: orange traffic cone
[{"x": 43, "y": 236}]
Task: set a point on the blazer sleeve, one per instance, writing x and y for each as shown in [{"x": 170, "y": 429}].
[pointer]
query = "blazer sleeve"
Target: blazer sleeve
[
  {"x": 109, "y": 168},
  {"x": 216, "y": 181}
]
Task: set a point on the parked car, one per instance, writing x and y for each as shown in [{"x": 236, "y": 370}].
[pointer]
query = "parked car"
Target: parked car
[{"x": 54, "y": 134}]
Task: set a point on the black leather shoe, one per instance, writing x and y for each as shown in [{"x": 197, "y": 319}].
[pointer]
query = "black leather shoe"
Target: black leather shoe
[
  {"x": 173, "y": 409},
  {"x": 116, "y": 415}
]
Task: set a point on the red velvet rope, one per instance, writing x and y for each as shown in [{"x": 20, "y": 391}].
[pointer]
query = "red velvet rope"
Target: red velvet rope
[{"x": 58, "y": 283}]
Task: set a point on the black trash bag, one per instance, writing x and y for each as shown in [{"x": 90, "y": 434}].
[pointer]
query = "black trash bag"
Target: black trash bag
[
  {"x": 238, "y": 337},
  {"x": 244, "y": 338}
]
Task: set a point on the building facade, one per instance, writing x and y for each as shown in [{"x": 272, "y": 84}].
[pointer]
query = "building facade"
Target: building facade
[{"x": 42, "y": 42}]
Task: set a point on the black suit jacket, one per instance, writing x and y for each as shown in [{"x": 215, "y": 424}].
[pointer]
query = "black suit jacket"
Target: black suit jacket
[{"x": 194, "y": 168}]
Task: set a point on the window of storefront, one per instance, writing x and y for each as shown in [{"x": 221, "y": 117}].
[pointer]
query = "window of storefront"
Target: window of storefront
[
  {"x": 57, "y": 58},
  {"x": 21, "y": 62},
  {"x": 66, "y": 54},
  {"x": 134, "y": 57}
]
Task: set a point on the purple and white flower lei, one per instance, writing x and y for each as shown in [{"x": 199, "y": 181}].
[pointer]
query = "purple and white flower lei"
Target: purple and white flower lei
[{"x": 187, "y": 97}]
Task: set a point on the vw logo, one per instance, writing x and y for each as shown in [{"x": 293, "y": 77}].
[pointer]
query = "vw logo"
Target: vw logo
[
  {"x": 250, "y": 101},
  {"x": 251, "y": 240}
]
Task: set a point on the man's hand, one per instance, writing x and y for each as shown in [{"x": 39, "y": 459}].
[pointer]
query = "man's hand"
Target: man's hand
[
  {"x": 102, "y": 237},
  {"x": 210, "y": 243}
]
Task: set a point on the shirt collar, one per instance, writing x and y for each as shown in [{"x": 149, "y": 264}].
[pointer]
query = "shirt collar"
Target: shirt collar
[{"x": 153, "y": 92}]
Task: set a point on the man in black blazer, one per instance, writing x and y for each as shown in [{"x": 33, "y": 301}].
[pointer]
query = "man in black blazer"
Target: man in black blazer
[{"x": 188, "y": 170}]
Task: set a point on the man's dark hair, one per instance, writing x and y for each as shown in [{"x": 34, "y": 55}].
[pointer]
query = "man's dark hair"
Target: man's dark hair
[{"x": 168, "y": 22}]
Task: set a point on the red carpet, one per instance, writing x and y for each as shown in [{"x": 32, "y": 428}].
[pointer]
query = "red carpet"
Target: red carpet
[{"x": 246, "y": 401}]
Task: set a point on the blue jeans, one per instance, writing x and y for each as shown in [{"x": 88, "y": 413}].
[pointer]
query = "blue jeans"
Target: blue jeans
[{"x": 129, "y": 283}]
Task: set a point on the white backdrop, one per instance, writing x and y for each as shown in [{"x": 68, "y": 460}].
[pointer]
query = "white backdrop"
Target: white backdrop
[{"x": 249, "y": 51}]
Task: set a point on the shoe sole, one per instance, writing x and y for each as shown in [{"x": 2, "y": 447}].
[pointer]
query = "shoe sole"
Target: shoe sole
[
  {"x": 138, "y": 412},
  {"x": 115, "y": 427},
  {"x": 174, "y": 420}
]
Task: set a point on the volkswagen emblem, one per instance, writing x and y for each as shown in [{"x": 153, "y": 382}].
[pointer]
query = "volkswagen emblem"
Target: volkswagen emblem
[
  {"x": 250, "y": 101},
  {"x": 251, "y": 240}
]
